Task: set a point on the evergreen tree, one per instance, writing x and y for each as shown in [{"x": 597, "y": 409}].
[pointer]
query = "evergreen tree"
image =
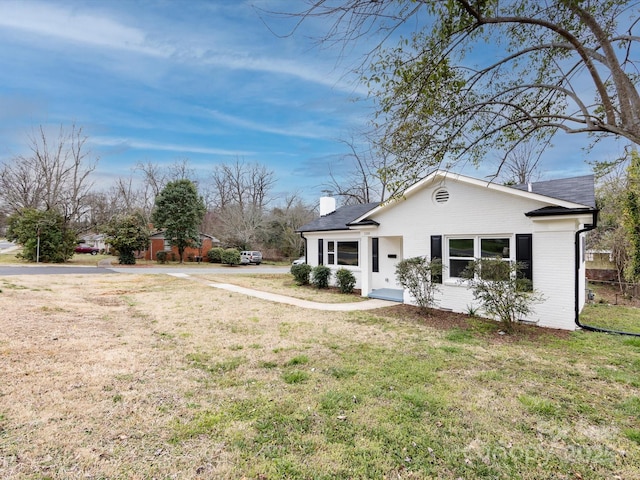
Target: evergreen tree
[{"x": 179, "y": 210}]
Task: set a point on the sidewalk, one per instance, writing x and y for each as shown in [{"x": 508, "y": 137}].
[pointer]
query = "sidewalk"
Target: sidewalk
[{"x": 370, "y": 304}]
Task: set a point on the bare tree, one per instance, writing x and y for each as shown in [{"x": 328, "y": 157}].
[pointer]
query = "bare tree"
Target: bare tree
[
  {"x": 54, "y": 176},
  {"x": 282, "y": 223},
  {"x": 238, "y": 196},
  {"x": 243, "y": 184},
  {"x": 521, "y": 165},
  {"x": 364, "y": 181}
]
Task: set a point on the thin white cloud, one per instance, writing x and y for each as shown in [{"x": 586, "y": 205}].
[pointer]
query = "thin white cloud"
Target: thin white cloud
[
  {"x": 303, "y": 131},
  {"x": 98, "y": 30},
  {"x": 168, "y": 147},
  {"x": 66, "y": 24}
]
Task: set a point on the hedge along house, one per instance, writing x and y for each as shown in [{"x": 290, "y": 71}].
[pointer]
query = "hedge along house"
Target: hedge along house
[{"x": 458, "y": 219}]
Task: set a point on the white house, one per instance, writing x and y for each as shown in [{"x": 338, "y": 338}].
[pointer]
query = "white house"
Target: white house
[{"x": 458, "y": 218}]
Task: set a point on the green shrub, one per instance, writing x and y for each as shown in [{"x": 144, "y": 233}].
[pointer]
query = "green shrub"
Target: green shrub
[
  {"x": 502, "y": 293},
  {"x": 230, "y": 256},
  {"x": 418, "y": 275},
  {"x": 301, "y": 273},
  {"x": 320, "y": 276},
  {"x": 345, "y": 280},
  {"x": 215, "y": 255},
  {"x": 127, "y": 258},
  {"x": 161, "y": 256}
]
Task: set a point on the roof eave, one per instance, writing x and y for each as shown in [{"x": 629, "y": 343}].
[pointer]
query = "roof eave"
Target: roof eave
[{"x": 561, "y": 212}]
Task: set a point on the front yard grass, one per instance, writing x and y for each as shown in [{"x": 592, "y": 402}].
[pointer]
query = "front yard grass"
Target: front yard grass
[
  {"x": 284, "y": 284},
  {"x": 156, "y": 377}
]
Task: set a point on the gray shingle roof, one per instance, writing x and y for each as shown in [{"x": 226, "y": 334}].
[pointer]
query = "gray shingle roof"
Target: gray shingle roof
[
  {"x": 338, "y": 219},
  {"x": 576, "y": 189}
]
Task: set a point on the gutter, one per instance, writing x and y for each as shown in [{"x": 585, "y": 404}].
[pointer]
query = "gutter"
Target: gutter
[{"x": 588, "y": 227}]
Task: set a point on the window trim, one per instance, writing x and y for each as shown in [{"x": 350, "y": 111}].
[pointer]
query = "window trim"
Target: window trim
[{"x": 477, "y": 251}]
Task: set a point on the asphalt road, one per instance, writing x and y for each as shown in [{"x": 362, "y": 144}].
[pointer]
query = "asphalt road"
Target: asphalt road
[{"x": 7, "y": 270}]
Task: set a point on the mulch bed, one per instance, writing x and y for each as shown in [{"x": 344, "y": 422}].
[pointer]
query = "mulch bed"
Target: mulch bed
[{"x": 481, "y": 327}]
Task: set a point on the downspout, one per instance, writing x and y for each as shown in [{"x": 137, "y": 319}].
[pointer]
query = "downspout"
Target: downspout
[
  {"x": 306, "y": 260},
  {"x": 588, "y": 227}
]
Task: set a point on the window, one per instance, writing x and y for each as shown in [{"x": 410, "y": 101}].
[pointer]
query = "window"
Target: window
[
  {"x": 348, "y": 253},
  {"x": 342, "y": 253},
  {"x": 463, "y": 251},
  {"x": 461, "y": 254},
  {"x": 167, "y": 244}
]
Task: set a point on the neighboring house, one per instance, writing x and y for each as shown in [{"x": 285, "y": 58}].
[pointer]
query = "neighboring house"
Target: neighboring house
[
  {"x": 158, "y": 243},
  {"x": 96, "y": 240},
  {"x": 458, "y": 218},
  {"x": 600, "y": 266}
]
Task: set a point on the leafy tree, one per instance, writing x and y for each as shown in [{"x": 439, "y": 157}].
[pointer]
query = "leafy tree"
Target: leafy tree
[
  {"x": 128, "y": 234},
  {"x": 416, "y": 274},
  {"x": 479, "y": 76},
  {"x": 502, "y": 292},
  {"x": 179, "y": 210},
  {"x": 631, "y": 218},
  {"x": 44, "y": 235}
]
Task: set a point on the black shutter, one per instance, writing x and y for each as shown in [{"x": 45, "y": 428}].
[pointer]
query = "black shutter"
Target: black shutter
[
  {"x": 436, "y": 252},
  {"x": 524, "y": 254},
  {"x": 320, "y": 251},
  {"x": 375, "y": 261}
]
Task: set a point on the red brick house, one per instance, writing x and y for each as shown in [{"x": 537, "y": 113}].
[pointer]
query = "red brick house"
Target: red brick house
[{"x": 158, "y": 243}]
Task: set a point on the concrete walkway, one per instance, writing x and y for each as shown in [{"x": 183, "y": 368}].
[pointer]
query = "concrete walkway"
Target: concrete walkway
[{"x": 297, "y": 302}]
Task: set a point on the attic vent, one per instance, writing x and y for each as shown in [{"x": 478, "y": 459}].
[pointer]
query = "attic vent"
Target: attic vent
[{"x": 441, "y": 196}]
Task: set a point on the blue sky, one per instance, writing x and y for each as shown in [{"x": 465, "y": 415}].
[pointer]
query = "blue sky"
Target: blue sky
[{"x": 208, "y": 81}]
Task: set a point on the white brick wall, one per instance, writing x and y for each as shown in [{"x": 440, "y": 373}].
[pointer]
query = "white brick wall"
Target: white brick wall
[{"x": 406, "y": 228}]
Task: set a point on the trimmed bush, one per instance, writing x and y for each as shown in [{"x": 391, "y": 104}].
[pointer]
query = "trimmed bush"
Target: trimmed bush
[
  {"x": 161, "y": 256},
  {"x": 230, "y": 256},
  {"x": 301, "y": 273},
  {"x": 215, "y": 255},
  {"x": 418, "y": 275},
  {"x": 345, "y": 280},
  {"x": 320, "y": 276}
]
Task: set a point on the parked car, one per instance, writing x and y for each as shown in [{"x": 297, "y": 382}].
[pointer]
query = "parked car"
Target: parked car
[
  {"x": 84, "y": 248},
  {"x": 251, "y": 257},
  {"x": 299, "y": 261}
]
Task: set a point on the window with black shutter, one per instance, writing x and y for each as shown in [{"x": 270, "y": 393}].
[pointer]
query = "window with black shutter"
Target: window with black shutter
[
  {"x": 524, "y": 254},
  {"x": 436, "y": 252},
  {"x": 375, "y": 259}
]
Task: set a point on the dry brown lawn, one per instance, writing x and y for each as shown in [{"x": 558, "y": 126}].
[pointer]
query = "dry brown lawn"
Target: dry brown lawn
[
  {"x": 96, "y": 370},
  {"x": 151, "y": 376}
]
